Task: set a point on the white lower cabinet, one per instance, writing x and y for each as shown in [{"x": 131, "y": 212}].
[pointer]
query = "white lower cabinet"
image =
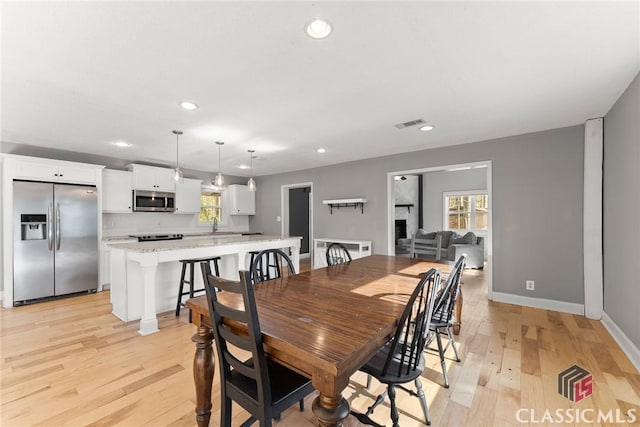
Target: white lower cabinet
[
  {"x": 357, "y": 249},
  {"x": 105, "y": 261}
]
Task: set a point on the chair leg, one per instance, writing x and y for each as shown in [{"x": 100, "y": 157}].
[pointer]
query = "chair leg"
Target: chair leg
[
  {"x": 180, "y": 289},
  {"x": 453, "y": 343},
  {"x": 368, "y": 381},
  {"x": 301, "y": 405},
  {"x": 423, "y": 401},
  {"x": 378, "y": 401},
  {"x": 442, "y": 362},
  {"x": 225, "y": 412},
  {"x": 216, "y": 267},
  {"x": 395, "y": 416},
  {"x": 191, "y": 283}
]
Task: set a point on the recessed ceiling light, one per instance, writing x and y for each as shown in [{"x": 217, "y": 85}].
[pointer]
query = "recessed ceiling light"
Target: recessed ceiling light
[
  {"x": 318, "y": 29},
  {"x": 187, "y": 105},
  {"x": 426, "y": 128},
  {"x": 123, "y": 144},
  {"x": 243, "y": 167},
  {"x": 321, "y": 150}
]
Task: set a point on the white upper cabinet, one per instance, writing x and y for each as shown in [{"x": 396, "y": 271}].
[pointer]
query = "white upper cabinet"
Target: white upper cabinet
[
  {"x": 117, "y": 189},
  {"x": 54, "y": 170},
  {"x": 152, "y": 178},
  {"x": 241, "y": 200},
  {"x": 188, "y": 196}
]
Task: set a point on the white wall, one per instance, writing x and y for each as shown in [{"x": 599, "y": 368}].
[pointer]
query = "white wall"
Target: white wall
[{"x": 406, "y": 192}]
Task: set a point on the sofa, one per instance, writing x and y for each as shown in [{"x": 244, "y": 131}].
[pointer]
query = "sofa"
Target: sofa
[{"x": 446, "y": 246}]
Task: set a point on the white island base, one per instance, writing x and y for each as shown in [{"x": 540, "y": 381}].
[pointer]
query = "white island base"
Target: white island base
[{"x": 145, "y": 275}]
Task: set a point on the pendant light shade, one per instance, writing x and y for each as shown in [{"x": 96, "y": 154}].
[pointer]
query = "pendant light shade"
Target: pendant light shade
[
  {"x": 218, "y": 181},
  {"x": 251, "y": 184},
  {"x": 178, "y": 176}
]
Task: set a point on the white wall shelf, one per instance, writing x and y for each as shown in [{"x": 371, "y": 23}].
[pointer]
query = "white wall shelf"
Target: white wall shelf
[{"x": 339, "y": 203}]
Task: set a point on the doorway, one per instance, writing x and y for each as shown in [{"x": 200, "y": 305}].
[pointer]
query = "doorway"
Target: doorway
[
  {"x": 391, "y": 209},
  {"x": 297, "y": 214}
]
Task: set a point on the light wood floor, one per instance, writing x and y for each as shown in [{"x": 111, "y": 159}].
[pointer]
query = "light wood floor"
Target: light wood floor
[{"x": 71, "y": 362}]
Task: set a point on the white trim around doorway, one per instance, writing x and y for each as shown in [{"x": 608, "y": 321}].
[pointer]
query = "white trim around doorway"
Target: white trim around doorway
[{"x": 391, "y": 250}]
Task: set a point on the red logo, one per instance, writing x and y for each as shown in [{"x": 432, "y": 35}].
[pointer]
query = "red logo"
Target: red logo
[{"x": 575, "y": 383}]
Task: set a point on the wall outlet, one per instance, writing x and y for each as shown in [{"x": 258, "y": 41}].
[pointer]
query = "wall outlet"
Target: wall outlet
[
  {"x": 278, "y": 218},
  {"x": 531, "y": 285}
]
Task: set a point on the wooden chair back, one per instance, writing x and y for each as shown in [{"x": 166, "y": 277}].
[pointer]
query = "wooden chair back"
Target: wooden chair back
[
  {"x": 337, "y": 254},
  {"x": 271, "y": 264}
]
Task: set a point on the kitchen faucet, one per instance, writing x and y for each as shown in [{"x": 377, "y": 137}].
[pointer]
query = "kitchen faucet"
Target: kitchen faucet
[{"x": 215, "y": 224}]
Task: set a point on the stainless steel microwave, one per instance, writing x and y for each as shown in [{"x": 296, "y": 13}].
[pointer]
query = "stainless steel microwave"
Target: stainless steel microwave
[{"x": 153, "y": 201}]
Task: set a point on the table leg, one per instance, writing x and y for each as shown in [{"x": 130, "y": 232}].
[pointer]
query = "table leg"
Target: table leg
[
  {"x": 330, "y": 410},
  {"x": 458, "y": 313},
  {"x": 203, "y": 370}
]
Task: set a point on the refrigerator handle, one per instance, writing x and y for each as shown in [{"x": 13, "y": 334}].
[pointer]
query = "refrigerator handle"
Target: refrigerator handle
[
  {"x": 50, "y": 226},
  {"x": 57, "y": 226}
]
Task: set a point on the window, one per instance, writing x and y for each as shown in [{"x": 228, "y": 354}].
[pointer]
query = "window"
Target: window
[
  {"x": 210, "y": 206},
  {"x": 466, "y": 211}
]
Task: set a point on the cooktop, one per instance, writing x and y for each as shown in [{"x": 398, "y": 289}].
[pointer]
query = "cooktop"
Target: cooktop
[{"x": 156, "y": 237}]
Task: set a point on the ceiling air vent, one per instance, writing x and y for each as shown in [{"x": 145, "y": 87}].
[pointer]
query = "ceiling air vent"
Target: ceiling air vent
[{"x": 409, "y": 124}]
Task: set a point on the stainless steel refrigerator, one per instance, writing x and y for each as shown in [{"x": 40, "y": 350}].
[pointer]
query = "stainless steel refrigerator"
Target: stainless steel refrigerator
[{"x": 55, "y": 240}]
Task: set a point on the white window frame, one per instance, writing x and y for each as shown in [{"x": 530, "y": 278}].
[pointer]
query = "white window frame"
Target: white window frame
[
  {"x": 205, "y": 190},
  {"x": 445, "y": 209}
]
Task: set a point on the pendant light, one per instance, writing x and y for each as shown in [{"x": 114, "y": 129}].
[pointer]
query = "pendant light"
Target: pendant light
[
  {"x": 251, "y": 184},
  {"x": 218, "y": 181},
  {"x": 178, "y": 176}
]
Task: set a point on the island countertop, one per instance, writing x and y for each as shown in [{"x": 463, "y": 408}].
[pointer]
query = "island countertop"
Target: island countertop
[
  {"x": 144, "y": 274},
  {"x": 199, "y": 242}
]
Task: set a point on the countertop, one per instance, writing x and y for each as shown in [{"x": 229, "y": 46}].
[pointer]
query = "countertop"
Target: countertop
[
  {"x": 196, "y": 242},
  {"x": 186, "y": 235}
]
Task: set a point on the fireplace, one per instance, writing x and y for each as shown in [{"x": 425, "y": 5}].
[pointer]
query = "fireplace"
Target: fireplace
[{"x": 401, "y": 229}]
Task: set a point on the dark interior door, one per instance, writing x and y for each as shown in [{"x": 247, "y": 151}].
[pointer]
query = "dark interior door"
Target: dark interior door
[{"x": 299, "y": 216}]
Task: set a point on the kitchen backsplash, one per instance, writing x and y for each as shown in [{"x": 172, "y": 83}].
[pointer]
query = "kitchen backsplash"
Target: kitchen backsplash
[{"x": 157, "y": 222}]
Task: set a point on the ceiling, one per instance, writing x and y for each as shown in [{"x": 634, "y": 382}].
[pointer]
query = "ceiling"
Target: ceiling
[{"x": 82, "y": 75}]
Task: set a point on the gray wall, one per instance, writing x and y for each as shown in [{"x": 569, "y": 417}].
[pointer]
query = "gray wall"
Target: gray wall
[
  {"x": 436, "y": 183},
  {"x": 537, "y": 205},
  {"x": 621, "y": 199}
]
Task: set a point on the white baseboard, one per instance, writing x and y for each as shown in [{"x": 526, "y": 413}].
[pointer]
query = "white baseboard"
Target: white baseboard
[
  {"x": 547, "y": 304},
  {"x": 629, "y": 348}
]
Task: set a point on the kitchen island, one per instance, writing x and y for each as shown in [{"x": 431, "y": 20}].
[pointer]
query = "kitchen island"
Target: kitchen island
[{"x": 145, "y": 275}]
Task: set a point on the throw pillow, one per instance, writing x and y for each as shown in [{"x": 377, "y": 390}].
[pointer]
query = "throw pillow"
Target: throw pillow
[
  {"x": 446, "y": 237},
  {"x": 468, "y": 239},
  {"x": 430, "y": 236}
]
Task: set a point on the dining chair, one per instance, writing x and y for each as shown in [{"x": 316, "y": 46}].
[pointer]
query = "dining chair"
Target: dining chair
[
  {"x": 442, "y": 318},
  {"x": 337, "y": 254},
  {"x": 271, "y": 264},
  {"x": 261, "y": 386},
  {"x": 401, "y": 359}
]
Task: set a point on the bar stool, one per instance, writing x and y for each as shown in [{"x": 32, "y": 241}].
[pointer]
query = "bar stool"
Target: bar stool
[{"x": 190, "y": 282}]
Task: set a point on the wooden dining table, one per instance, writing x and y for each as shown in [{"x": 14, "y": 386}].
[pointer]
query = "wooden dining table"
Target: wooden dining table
[{"x": 323, "y": 323}]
